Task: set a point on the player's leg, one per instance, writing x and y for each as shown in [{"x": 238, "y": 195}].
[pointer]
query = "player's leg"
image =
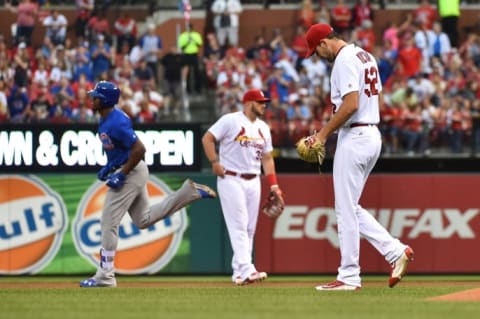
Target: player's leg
[
  {"x": 233, "y": 200},
  {"x": 143, "y": 216},
  {"x": 117, "y": 203},
  {"x": 253, "y": 193},
  {"x": 349, "y": 171}
]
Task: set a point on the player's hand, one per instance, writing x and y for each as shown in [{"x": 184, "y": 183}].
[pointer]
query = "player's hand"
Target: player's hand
[
  {"x": 116, "y": 180},
  {"x": 104, "y": 172}
]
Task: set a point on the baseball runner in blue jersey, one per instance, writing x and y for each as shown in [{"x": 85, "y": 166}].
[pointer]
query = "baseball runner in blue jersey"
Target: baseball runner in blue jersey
[{"x": 126, "y": 174}]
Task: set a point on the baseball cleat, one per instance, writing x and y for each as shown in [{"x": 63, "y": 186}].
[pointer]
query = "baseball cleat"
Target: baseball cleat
[
  {"x": 254, "y": 277},
  {"x": 204, "y": 191},
  {"x": 399, "y": 267},
  {"x": 337, "y": 285},
  {"x": 94, "y": 283}
]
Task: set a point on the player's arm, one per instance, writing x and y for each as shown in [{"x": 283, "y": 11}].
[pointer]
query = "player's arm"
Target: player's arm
[
  {"x": 137, "y": 151},
  {"x": 209, "y": 142},
  {"x": 345, "y": 111}
]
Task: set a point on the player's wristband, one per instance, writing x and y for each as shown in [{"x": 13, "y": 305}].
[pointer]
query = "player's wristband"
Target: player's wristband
[
  {"x": 272, "y": 180},
  {"x": 214, "y": 161}
]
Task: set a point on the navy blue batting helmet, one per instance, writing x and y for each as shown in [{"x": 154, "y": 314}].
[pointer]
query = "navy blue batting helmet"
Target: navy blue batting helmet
[{"x": 107, "y": 92}]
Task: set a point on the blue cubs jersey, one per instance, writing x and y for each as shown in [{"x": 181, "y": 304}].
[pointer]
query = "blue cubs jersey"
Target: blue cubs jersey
[{"x": 117, "y": 136}]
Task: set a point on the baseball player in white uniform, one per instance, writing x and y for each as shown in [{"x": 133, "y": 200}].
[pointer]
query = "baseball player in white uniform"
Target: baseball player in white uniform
[
  {"x": 245, "y": 144},
  {"x": 356, "y": 93}
]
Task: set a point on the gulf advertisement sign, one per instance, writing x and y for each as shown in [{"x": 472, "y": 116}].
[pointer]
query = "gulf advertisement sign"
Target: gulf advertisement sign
[
  {"x": 140, "y": 251},
  {"x": 33, "y": 220}
]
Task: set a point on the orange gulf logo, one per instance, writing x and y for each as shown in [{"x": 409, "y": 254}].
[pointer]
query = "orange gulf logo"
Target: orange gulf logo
[
  {"x": 33, "y": 219},
  {"x": 139, "y": 250}
]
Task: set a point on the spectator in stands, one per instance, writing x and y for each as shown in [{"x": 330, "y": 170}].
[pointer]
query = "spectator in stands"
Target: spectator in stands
[
  {"x": 4, "y": 116},
  {"x": 323, "y": 13},
  {"x": 84, "y": 11},
  {"x": 81, "y": 63},
  {"x": 317, "y": 73},
  {"x": 361, "y": 11},
  {"x": 259, "y": 43},
  {"x": 41, "y": 74},
  {"x": 439, "y": 43},
  {"x": 154, "y": 102},
  {"x": 26, "y": 15},
  {"x": 364, "y": 36},
  {"x": 142, "y": 75},
  {"x": 410, "y": 59},
  {"x": 41, "y": 105},
  {"x": 125, "y": 29},
  {"x": 470, "y": 48},
  {"x": 449, "y": 12},
  {"x": 59, "y": 71},
  {"x": 124, "y": 72},
  {"x": 279, "y": 84},
  {"x": 190, "y": 43},
  {"x": 83, "y": 114},
  {"x": 151, "y": 47},
  {"x": 341, "y": 17},
  {"x": 226, "y": 20},
  {"x": 56, "y": 27},
  {"x": 126, "y": 103},
  {"x": 212, "y": 47},
  {"x": 21, "y": 65},
  {"x": 300, "y": 46},
  {"x": 425, "y": 14},
  {"x": 422, "y": 38},
  {"x": 7, "y": 73},
  {"x": 101, "y": 56},
  {"x": 306, "y": 14},
  {"x": 173, "y": 63},
  {"x": 18, "y": 104},
  {"x": 387, "y": 58},
  {"x": 475, "y": 116},
  {"x": 98, "y": 24}
]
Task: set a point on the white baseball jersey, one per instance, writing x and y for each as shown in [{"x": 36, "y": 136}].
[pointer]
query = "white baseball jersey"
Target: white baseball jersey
[
  {"x": 356, "y": 70},
  {"x": 242, "y": 142}
]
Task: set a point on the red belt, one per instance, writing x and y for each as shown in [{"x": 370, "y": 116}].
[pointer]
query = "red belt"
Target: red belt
[
  {"x": 244, "y": 176},
  {"x": 361, "y": 124}
]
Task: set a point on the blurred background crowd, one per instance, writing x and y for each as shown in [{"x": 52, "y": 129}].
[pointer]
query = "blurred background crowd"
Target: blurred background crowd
[{"x": 428, "y": 67}]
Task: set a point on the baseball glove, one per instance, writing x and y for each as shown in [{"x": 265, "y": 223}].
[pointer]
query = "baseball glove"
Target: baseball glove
[
  {"x": 311, "y": 150},
  {"x": 275, "y": 204}
]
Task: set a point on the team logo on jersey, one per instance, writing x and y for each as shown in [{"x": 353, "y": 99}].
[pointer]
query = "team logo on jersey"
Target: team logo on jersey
[
  {"x": 139, "y": 251},
  {"x": 106, "y": 141},
  {"x": 33, "y": 219}
]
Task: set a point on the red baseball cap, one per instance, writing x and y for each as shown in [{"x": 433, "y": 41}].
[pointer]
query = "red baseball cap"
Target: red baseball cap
[
  {"x": 315, "y": 34},
  {"x": 254, "y": 95}
]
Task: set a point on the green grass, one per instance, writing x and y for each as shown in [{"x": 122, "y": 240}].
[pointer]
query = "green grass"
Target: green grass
[{"x": 214, "y": 298}]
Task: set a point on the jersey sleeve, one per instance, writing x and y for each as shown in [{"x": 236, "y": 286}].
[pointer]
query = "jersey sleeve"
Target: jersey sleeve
[
  {"x": 220, "y": 127},
  {"x": 348, "y": 77},
  {"x": 125, "y": 135}
]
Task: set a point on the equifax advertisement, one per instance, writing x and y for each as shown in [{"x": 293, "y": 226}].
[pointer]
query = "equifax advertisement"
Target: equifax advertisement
[{"x": 437, "y": 215}]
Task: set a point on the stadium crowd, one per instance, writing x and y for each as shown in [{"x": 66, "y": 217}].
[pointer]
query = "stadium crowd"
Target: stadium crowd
[{"x": 430, "y": 80}]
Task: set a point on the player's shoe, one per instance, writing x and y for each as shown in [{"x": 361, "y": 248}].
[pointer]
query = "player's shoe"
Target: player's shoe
[
  {"x": 204, "y": 191},
  {"x": 254, "y": 277},
  {"x": 337, "y": 285},
  {"x": 399, "y": 267},
  {"x": 96, "y": 283}
]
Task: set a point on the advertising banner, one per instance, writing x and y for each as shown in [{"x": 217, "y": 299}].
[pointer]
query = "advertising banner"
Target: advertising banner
[
  {"x": 77, "y": 148},
  {"x": 50, "y": 224},
  {"x": 437, "y": 215}
]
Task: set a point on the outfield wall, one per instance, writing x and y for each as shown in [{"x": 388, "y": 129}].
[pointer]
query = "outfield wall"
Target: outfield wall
[
  {"x": 50, "y": 224},
  {"x": 50, "y": 206}
]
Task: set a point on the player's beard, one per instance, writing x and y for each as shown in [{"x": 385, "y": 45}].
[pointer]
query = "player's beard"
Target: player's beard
[{"x": 258, "y": 112}]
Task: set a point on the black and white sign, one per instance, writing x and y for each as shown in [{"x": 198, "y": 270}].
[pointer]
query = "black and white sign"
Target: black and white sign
[{"x": 77, "y": 148}]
